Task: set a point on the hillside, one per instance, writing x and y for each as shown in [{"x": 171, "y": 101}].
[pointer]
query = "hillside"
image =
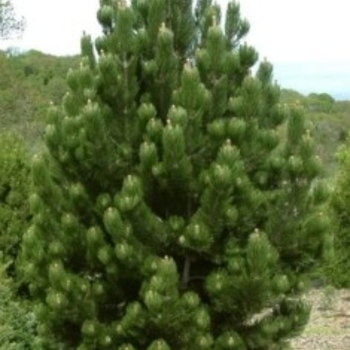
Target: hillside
[
  {"x": 330, "y": 121},
  {"x": 28, "y": 83}
]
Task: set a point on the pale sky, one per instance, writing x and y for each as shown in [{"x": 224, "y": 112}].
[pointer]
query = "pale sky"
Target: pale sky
[
  {"x": 293, "y": 32},
  {"x": 300, "y": 30}
]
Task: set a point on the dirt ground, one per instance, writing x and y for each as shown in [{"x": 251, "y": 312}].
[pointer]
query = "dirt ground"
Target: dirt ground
[{"x": 329, "y": 325}]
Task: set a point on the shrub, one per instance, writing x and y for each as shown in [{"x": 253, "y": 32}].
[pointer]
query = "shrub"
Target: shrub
[
  {"x": 14, "y": 192},
  {"x": 337, "y": 269},
  {"x": 17, "y": 319}
]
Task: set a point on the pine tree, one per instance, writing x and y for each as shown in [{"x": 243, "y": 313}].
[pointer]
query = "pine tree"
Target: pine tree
[{"x": 170, "y": 212}]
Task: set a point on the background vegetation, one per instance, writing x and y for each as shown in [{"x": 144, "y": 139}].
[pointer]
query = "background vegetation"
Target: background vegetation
[
  {"x": 14, "y": 192},
  {"x": 29, "y": 82},
  {"x": 330, "y": 120}
]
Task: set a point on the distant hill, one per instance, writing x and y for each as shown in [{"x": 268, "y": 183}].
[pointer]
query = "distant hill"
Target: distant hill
[
  {"x": 330, "y": 120},
  {"x": 28, "y": 82},
  {"x": 315, "y": 77}
]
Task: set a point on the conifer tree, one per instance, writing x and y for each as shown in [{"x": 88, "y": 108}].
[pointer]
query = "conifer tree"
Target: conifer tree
[{"x": 169, "y": 211}]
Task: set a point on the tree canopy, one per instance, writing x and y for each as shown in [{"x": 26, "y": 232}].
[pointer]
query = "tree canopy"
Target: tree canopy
[{"x": 11, "y": 25}]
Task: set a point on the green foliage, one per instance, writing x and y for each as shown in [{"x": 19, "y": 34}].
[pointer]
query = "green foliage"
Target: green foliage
[
  {"x": 35, "y": 69},
  {"x": 28, "y": 83},
  {"x": 337, "y": 269},
  {"x": 167, "y": 211},
  {"x": 14, "y": 192},
  {"x": 330, "y": 122},
  {"x": 17, "y": 319},
  {"x": 321, "y": 103},
  {"x": 18, "y": 323}
]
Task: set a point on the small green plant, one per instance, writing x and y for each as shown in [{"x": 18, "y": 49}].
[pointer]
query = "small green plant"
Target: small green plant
[
  {"x": 18, "y": 323},
  {"x": 14, "y": 188},
  {"x": 17, "y": 319}
]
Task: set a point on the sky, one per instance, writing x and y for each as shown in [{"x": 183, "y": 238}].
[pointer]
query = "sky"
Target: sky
[{"x": 306, "y": 40}]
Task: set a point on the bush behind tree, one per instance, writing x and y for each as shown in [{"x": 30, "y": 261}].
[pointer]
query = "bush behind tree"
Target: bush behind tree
[
  {"x": 14, "y": 192},
  {"x": 337, "y": 269}
]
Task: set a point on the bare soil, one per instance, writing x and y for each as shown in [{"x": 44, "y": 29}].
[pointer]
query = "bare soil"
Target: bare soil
[{"x": 329, "y": 324}]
